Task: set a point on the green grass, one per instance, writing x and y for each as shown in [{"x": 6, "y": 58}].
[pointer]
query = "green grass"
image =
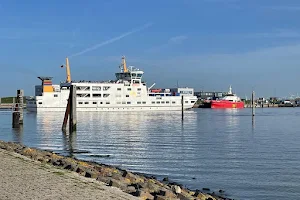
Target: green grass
[
  {"x": 10, "y": 99},
  {"x": 59, "y": 173}
]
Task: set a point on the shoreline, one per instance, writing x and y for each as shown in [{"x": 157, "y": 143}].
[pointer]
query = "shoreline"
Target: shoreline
[{"x": 135, "y": 184}]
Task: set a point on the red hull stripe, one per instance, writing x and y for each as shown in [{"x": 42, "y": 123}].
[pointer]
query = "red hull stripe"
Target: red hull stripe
[{"x": 226, "y": 104}]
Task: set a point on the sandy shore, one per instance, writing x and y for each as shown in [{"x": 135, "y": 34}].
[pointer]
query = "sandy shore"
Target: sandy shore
[{"x": 23, "y": 178}]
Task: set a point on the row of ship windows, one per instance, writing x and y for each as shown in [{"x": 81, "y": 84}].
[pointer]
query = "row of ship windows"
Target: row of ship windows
[
  {"x": 98, "y": 88},
  {"x": 138, "y": 102},
  {"x": 94, "y": 95},
  {"x": 144, "y": 102}
]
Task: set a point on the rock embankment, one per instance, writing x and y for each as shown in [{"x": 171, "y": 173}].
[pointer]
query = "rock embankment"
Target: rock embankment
[{"x": 131, "y": 183}]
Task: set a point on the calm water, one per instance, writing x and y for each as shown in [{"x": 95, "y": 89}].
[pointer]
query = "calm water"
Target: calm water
[{"x": 218, "y": 149}]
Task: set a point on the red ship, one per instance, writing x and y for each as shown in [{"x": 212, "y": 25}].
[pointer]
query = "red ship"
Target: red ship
[{"x": 229, "y": 101}]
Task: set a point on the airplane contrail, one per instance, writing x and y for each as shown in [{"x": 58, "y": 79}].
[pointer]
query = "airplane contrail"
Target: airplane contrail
[{"x": 112, "y": 40}]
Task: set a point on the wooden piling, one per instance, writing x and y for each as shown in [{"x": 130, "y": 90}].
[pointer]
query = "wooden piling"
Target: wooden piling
[
  {"x": 70, "y": 112},
  {"x": 20, "y": 102},
  {"x": 17, "y": 111},
  {"x": 64, "y": 126},
  {"x": 182, "y": 102},
  {"x": 73, "y": 115},
  {"x": 253, "y": 103}
]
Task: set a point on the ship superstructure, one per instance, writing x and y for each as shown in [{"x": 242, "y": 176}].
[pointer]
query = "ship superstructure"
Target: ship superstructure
[{"x": 127, "y": 92}]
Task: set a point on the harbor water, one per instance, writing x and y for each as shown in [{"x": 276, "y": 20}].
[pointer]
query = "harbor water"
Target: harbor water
[{"x": 216, "y": 149}]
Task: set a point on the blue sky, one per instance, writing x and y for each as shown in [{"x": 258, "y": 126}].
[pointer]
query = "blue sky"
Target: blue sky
[{"x": 205, "y": 44}]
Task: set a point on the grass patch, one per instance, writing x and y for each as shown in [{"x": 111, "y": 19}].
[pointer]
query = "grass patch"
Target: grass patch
[
  {"x": 10, "y": 99},
  {"x": 59, "y": 173}
]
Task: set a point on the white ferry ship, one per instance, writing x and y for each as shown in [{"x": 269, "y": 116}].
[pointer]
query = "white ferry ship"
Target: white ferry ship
[{"x": 127, "y": 92}]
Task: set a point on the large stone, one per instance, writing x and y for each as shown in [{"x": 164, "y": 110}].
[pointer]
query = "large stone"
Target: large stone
[
  {"x": 118, "y": 184},
  {"x": 176, "y": 189},
  {"x": 130, "y": 190},
  {"x": 103, "y": 179},
  {"x": 160, "y": 197},
  {"x": 151, "y": 186},
  {"x": 167, "y": 193},
  {"x": 144, "y": 195},
  {"x": 91, "y": 173}
]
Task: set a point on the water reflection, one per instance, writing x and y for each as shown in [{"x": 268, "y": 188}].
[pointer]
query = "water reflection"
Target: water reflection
[
  {"x": 18, "y": 134},
  {"x": 232, "y": 119},
  {"x": 69, "y": 144},
  {"x": 211, "y": 148}
]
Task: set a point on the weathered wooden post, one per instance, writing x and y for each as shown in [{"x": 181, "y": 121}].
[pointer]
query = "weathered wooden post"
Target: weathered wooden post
[
  {"x": 17, "y": 114},
  {"x": 71, "y": 111},
  {"x": 64, "y": 126},
  {"x": 73, "y": 115},
  {"x": 182, "y": 102},
  {"x": 253, "y": 103}
]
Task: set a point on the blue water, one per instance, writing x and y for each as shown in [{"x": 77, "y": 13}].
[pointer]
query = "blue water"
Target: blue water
[{"x": 218, "y": 149}]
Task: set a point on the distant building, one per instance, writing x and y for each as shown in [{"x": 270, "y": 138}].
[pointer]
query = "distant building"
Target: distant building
[
  {"x": 210, "y": 95},
  {"x": 182, "y": 91}
]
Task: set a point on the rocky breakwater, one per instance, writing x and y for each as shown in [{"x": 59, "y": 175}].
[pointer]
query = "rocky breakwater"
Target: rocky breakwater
[{"x": 134, "y": 184}]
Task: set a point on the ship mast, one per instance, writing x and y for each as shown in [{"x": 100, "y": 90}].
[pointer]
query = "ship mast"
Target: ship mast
[
  {"x": 68, "y": 72},
  {"x": 124, "y": 64},
  {"x": 230, "y": 90}
]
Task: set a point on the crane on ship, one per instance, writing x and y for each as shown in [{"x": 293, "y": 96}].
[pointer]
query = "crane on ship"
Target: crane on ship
[
  {"x": 125, "y": 70},
  {"x": 68, "y": 72}
]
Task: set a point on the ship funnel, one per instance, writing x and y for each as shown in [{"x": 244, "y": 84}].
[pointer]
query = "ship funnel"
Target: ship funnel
[{"x": 46, "y": 84}]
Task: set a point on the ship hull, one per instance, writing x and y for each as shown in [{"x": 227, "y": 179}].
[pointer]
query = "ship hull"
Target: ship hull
[
  {"x": 226, "y": 104},
  {"x": 110, "y": 109}
]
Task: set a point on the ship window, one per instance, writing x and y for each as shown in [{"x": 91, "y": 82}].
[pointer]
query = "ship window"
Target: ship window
[
  {"x": 79, "y": 102},
  {"x": 105, "y": 95},
  {"x": 136, "y": 81},
  {"x": 101, "y": 102},
  {"x": 133, "y": 74},
  {"x": 108, "y": 102},
  {"x": 162, "y": 102},
  {"x": 96, "y": 88},
  {"x": 158, "y": 102},
  {"x": 144, "y": 102},
  {"x": 153, "y": 102},
  {"x": 139, "y": 89},
  {"x": 118, "y": 102},
  {"x": 138, "y": 102},
  {"x": 123, "y": 102},
  {"x": 86, "y": 102},
  {"x": 105, "y": 88},
  {"x": 173, "y": 102},
  {"x": 40, "y": 103},
  {"x": 129, "y": 89},
  {"x": 127, "y": 95},
  {"x": 139, "y": 75},
  {"x": 128, "y": 102},
  {"x": 192, "y": 101},
  {"x": 55, "y": 95},
  {"x": 167, "y": 101},
  {"x": 94, "y": 102},
  {"x": 96, "y": 95},
  {"x": 186, "y": 102},
  {"x": 119, "y": 89}
]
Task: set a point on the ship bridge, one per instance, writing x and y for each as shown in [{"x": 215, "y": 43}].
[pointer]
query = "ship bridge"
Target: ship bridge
[{"x": 130, "y": 74}]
